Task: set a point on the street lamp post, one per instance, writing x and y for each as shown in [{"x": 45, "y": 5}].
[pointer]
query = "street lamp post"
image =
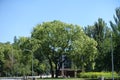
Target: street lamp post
[
  {"x": 112, "y": 58},
  {"x": 32, "y": 60}
]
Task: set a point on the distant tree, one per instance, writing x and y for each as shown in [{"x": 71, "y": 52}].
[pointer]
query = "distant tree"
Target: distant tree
[
  {"x": 116, "y": 38},
  {"x": 100, "y": 33},
  {"x": 9, "y": 59},
  {"x": 90, "y": 31},
  {"x": 1, "y": 58},
  {"x": 27, "y": 47}
]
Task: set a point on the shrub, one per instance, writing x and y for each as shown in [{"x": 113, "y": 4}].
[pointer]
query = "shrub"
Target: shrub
[{"x": 106, "y": 75}]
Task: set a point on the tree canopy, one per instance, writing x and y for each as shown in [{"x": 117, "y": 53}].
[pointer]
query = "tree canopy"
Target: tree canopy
[{"x": 58, "y": 38}]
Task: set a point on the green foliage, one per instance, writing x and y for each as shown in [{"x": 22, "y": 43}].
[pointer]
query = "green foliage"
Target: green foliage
[
  {"x": 116, "y": 38},
  {"x": 85, "y": 53},
  {"x": 97, "y": 75},
  {"x": 58, "y": 38},
  {"x": 1, "y": 51},
  {"x": 101, "y": 34}
]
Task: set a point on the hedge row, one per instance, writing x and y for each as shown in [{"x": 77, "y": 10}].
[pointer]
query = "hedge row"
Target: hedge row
[{"x": 106, "y": 75}]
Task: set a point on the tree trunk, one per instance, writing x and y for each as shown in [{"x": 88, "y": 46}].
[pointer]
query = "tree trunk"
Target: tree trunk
[
  {"x": 51, "y": 68},
  {"x": 52, "y": 73},
  {"x": 83, "y": 68},
  {"x": 57, "y": 73},
  {"x": 56, "y": 70}
]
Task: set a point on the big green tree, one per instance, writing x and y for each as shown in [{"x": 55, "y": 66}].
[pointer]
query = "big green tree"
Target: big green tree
[
  {"x": 116, "y": 38},
  {"x": 58, "y": 39}
]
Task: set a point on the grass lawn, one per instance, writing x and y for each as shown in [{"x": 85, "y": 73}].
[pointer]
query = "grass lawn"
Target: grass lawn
[{"x": 64, "y": 79}]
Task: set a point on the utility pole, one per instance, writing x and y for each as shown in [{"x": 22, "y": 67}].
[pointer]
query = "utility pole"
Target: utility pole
[{"x": 112, "y": 58}]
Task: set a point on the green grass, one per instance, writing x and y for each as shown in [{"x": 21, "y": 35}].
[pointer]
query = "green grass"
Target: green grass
[{"x": 64, "y": 79}]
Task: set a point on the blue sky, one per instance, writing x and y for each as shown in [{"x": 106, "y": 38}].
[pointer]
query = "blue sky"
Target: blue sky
[{"x": 18, "y": 17}]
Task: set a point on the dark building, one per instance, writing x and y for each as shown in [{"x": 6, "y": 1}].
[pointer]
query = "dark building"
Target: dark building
[{"x": 66, "y": 69}]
